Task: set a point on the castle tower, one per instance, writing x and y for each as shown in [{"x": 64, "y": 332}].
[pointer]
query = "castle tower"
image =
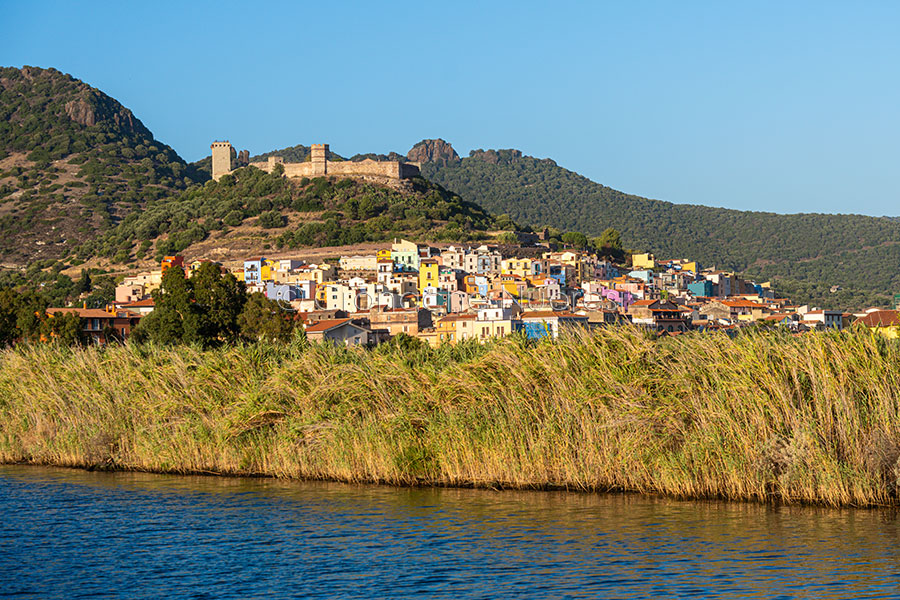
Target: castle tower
[
  {"x": 221, "y": 159},
  {"x": 318, "y": 154}
]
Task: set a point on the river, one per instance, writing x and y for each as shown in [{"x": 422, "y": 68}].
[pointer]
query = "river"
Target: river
[{"x": 76, "y": 534}]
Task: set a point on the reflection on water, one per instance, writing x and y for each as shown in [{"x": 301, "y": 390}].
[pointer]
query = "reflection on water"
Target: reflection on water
[{"x": 67, "y": 533}]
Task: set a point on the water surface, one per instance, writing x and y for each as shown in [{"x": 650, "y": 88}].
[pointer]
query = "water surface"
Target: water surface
[{"x": 75, "y": 534}]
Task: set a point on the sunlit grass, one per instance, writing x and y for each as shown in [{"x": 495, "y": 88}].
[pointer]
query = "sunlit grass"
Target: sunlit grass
[{"x": 765, "y": 416}]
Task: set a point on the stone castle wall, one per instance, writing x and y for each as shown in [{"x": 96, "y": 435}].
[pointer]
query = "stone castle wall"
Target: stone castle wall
[{"x": 319, "y": 166}]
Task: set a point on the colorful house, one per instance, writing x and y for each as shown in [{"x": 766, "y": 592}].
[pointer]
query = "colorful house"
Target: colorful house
[
  {"x": 253, "y": 270},
  {"x": 429, "y": 271},
  {"x": 171, "y": 261},
  {"x": 643, "y": 261},
  {"x": 885, "y": 322},
  {"x": 549, "y": 323},
  {"x": 339, "y": 331},
  {"x": 520, "y": 267},
  {"x": 102, "y": 325},
  {"x": 405, "y": 255}
]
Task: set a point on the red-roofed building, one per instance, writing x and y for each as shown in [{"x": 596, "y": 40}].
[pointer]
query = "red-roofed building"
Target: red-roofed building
[
  {"x": 886, "y": 322},
  {"x": 339, "y": 331},
  {"x": 660, "y": 315},
  {"x": 142, "y": 307},
  {"x": 102, "y": 325}
]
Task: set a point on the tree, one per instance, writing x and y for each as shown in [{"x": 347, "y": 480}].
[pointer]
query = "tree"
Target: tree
[
  {"x": 507, "y": 237},
  {"x": 235, "y": 217},
  {"x": 9, "y": 307},
  {"x": 165, "y": 325},
  {"x": 30, "y": 313},
  {"x": 63, "y": 328},
  {"x": 575, "y": 239},
  {"x": 610, "y": 238},
  {"x": 84, "y": 283},
  {"x": 264, "y": 319},
  {"x": 504, "y": 222},
  {"x": 219, "y": 299},
  {"x": 271, "y": 219},
  {"x": 201, "y": 310}
]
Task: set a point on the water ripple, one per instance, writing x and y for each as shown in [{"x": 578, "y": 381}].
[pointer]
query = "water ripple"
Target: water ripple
[{"x": 72, "y": 534}]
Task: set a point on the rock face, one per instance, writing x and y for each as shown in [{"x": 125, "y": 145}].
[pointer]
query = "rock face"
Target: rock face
[
  {"x": 433, "y": 151},
  {"x": 93, "y": 107}
]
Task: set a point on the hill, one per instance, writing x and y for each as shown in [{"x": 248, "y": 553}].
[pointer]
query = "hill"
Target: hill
[
  {"x": 805, "y": 254},
  {"x": 73, "y": 163},
  {"x": 253, "y": 211}
]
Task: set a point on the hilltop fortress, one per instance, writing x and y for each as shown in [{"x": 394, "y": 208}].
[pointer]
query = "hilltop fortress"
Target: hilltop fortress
[{"x": 318, "y": 165}]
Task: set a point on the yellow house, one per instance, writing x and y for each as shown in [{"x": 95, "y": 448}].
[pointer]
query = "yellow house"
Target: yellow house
[
  {"x": 428, "y": 273},
  {"x": 453, "y": 329},
  {"x": 514, "y": 285},
  {"x": 319, "y": 273},
  {"x": 444, "y": 331},
  {"x": 494, "y": 328},
  {"x": 268, "y": 269},
  {"x": 643, "y": 261},
  {"x": 382, "y": 255},
  {"x": 885, "y": 322},
  {"x": 516, "y": 266}
]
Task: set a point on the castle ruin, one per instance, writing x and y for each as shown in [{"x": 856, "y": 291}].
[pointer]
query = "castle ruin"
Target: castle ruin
[{"x": 318, "y": 165}]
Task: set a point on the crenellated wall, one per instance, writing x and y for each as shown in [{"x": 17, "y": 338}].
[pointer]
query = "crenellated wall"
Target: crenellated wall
[{"x": 319, "y": 166}]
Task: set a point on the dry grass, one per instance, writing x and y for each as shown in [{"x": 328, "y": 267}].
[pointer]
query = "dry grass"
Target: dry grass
[{"x": 764, "y": 417}]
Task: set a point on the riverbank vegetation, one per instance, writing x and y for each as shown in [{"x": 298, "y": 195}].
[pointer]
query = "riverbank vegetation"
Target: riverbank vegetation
[{"x": 765, "y": 416}]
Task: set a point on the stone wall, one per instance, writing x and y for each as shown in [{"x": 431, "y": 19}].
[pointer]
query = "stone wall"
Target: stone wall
[
  {"x": 367, "y": 169},
  {"x": 319, "y": 166}
]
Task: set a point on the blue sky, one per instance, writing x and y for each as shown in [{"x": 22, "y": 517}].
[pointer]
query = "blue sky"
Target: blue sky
[{"x": 785, "y": 107}]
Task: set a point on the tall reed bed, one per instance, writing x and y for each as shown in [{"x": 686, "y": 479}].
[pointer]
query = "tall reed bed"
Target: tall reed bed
[{"x": 764, "y": 416}]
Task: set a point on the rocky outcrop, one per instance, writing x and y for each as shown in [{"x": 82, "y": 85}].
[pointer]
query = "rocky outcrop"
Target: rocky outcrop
[
  {"x": 433, "y": 151},
  {"x": 93, "y": 107}
]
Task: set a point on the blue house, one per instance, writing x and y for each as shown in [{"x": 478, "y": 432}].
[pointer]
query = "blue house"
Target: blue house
[
  {"x": 557, "y": 272},
  {"x": 701, "y": 288},
  {"x": 253, "y": 270}
]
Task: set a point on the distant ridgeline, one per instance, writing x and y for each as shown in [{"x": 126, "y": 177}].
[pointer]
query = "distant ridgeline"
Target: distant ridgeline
[
  {"x": 843, "y": 260},
  {"x": 224, "y": 161}
]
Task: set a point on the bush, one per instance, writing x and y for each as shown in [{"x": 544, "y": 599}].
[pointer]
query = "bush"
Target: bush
[
  {"x": 234, "y": 218},
  {"x": 271, "y": 219}
]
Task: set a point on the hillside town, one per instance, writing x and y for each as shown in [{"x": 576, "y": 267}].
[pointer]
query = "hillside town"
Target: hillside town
[{"x": 454, "y": 293}]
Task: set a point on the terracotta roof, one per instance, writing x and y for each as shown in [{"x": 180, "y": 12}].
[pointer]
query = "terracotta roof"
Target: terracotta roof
[
  {"x": 776, "y": 317},
  {"x": 742, "y": 304},
  {"x": 880, "y": 318},
  {"x": 457, "y": 317},
  {"x": 140, "y": 303},
  {"x": 325, "y": 325},
  {"x": 642, "y": 302}
]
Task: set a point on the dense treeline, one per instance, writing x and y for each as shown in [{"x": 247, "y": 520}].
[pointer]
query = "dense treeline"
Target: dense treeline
[
  {"x": 804, "y": 253},
  {"x": 326, "y": 212}
]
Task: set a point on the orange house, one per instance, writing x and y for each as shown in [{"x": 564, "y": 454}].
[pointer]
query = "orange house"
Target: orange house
[{"x": 171, "y": 261}]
